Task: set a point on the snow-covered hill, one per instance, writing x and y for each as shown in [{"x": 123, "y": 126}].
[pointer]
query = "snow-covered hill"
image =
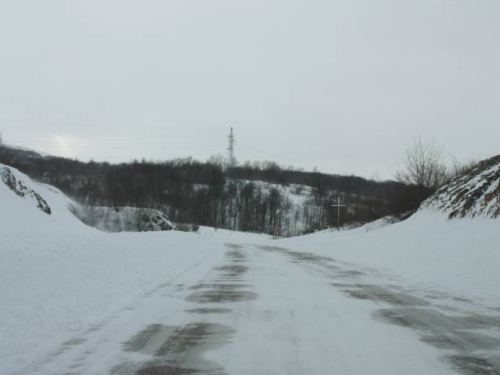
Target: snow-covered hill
[
  {"x": 19, "y": 187},
  {"x": 476, "y": 194},
  {"x": 59, "y": 277},
  {"x": 28, "y": 205},
  {"x": 60, "y": 208}
]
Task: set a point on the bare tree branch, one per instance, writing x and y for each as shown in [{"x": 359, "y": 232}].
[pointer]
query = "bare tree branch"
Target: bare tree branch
[
  {"x": 5, "y": 154},
  {"x": 422, "y": 166}
]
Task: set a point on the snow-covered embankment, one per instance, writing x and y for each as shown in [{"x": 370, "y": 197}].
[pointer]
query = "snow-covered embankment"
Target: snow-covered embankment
[
  {"x": 59, "y": 277},
  {"x": 451, "y": 244}
]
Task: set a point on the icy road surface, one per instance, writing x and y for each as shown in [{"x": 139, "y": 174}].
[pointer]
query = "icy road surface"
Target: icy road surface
[{"x": 253, "y": 309}]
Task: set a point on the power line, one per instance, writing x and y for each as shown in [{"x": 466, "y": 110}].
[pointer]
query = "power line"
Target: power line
[{"x": 108, "y": 126}]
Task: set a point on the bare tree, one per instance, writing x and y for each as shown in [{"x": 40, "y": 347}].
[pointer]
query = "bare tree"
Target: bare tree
[
  {"x": 5, "y": 154},
  {"x": 459, "y": 169},
  {"x": 217, "y": 160},
  {"x": 422, "y": 166}
]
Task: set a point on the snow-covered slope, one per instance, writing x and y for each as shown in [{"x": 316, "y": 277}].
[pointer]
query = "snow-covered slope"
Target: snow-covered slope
[
  {"x": 63, "y": 212},
  {"x": 27, "y": 205},
  {"x": 383, "y": 222},
  {"x": 59, "y": 277},
  {"x": 476, "y": 194},
  {"x": 427, "y": 250},
  {"x": 17, "y": 186},
  {"x": 460, "y": 256}
]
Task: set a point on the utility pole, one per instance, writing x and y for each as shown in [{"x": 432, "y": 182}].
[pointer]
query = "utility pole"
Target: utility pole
[
  {"x": 231, "y": 160},
  {"x": 338, "y": 205}
]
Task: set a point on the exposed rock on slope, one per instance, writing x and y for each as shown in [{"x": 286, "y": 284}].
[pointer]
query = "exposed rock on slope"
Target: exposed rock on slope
[
  {"x": 19, "y": 188},
  {"x": 124, "y": 219},
  {"x": 476, "y": 194}
]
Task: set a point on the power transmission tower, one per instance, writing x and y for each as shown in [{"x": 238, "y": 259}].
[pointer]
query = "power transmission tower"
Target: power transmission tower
[{"x": 231, "y": 160}]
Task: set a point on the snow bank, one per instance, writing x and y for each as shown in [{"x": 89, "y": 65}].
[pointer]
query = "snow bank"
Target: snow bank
[
  {"x": 459, "y": 256},
  {"x": 427, "y": 250}
]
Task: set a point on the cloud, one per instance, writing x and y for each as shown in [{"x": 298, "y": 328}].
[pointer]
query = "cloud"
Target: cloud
[{"x": 65, "y": 147}]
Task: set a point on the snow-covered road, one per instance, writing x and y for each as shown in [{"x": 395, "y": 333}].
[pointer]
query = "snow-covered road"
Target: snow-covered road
[{"x": 259, "y": 309}]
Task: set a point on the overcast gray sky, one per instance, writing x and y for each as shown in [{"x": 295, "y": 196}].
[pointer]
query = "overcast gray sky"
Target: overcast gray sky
[{"x": 337, "y": 85}]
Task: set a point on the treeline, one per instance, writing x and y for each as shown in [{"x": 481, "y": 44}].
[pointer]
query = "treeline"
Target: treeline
[{"x": 252, "y": 197}]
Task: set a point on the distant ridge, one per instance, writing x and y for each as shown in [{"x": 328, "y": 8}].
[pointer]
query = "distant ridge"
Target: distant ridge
[{"x": 24, "y": 153}]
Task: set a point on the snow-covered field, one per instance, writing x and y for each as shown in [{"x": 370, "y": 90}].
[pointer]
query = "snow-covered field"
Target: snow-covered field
[{"x": 76, "y": 300}]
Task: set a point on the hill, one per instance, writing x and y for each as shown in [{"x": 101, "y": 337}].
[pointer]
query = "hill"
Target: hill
[
  {"x": 477, "y": 194},
  {"x": 28, "y": 204},
  {"x": 253, "y": 197}
]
